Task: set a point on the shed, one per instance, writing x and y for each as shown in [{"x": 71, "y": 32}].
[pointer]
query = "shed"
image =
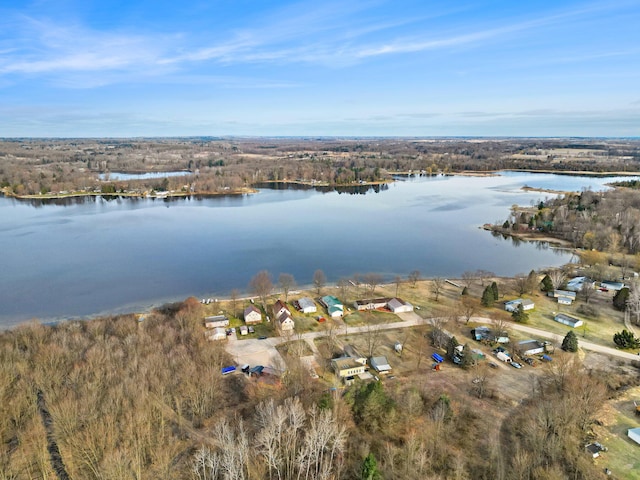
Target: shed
[
  {"x": 252, "y": 315},
  {"x": 307, "y": 305},
  {"x": 615, "y": 286},
  {"x": 568, "y": 320},
  {"x": 634, "y": 434},
  {"x": 380, "y": 364},
  {"x": 397, "y": 305}
]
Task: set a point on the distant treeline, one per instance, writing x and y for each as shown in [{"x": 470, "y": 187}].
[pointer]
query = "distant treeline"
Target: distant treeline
[{"x": 39, "y": 166}]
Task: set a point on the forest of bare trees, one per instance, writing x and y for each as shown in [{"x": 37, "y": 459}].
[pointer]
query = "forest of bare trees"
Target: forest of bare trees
[
  {"x": 218, "y": 165},
  {"x": 143, "y": 398}
]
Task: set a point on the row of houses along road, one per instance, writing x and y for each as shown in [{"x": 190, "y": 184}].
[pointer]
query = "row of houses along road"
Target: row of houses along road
[{"x": 248, "y": 351}]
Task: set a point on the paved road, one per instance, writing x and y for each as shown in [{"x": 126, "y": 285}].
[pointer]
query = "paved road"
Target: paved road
[{"x": 263, "y": 352}]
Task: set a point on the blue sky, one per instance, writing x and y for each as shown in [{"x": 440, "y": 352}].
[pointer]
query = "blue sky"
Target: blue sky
[{"x": 353, "y": 68}]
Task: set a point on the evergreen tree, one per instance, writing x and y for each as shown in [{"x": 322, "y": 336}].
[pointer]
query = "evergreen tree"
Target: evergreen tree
[
  {"x": 465, "y": 291},
  {"x": 467, "y": 357},
  {"x": 451, "y": 347},
  {"x": 519, "y": 315},
  {"x": 626, "y": 339},
  {"x": 487, "y": 297},
  {"x": 370, "y": 468},
  {"x": 546, "y": 285},
  {"x": 620, "y": 299},
  {"x": 532, "y": 281},
  {"x": 570, "y": 342},
  {"x": 494, "y": 289}
]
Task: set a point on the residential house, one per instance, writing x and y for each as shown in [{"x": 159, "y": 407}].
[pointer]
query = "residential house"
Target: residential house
[
  {"x": 350, "y": 351},
  {"x": 397, "y": 305},
  {"x": 279, "y": 308},
  {"x": 531, "y": 347},
  {"x": 484, "y": 334},
  {"x": 216, "y": 321},
  {"x": 334, "y": 307},
  {"x": 347, "y": 367},
  {"x": 613, "y": 286},
  {"x": 568, "y": 320},
  {"x": 380, "y": 364},
  {"x": 577, "y": 283},
  {"x": 565, "y": 297},
  {"x": 371, "y": 304},
  {"x": 252, "y": 315},
  {"x": 307, "y": 305},
  {"x": 513, "y": 305},
  {"x": 218, "y": 333}
]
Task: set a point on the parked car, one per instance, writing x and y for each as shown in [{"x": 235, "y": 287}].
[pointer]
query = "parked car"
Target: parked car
[
  {"x": 493, "y": 365},
  {"x": 251, "y": 329},
  {"x": 515, "y": 365},
  {"x": 529, "y": 361},
  {"x": 262, "y": 337}
]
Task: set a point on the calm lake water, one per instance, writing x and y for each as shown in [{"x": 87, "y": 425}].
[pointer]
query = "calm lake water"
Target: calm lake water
[{"x": 97, "y": 255}]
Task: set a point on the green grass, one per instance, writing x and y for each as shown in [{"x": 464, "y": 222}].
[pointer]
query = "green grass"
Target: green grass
[{"x": 623, "y": 457}]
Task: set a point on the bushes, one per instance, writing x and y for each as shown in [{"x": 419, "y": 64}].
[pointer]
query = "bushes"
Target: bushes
[{"x": 625, "y": 339}]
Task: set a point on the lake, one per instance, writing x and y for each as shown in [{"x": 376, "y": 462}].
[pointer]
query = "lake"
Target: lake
[{"x": 81, "y": 257}]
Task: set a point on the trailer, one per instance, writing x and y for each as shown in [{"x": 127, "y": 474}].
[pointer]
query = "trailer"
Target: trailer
[{"x": 503, "y": 356}]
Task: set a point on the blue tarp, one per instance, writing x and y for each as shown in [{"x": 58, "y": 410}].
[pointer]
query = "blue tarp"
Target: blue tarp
[
  {"x": 227, "y": 370},
  {"x": 437, "y": 358}
]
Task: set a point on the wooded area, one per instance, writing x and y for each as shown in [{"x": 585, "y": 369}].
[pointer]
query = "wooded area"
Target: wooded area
[
  {"x": 223, "y": 165},
  {"x": 140, "y": 398}
]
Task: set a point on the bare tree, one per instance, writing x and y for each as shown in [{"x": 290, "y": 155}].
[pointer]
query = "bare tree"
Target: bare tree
[
  {"x": 467, "y": 307},
  {"x": 262, "y": 286},
  {"x": 484, "y": 275},
  {"x": 437, "y": 284},
  {"x": 319, "y": 280},
  {"x": 468, "y": 278},
  {"x": 586, "y": 292},
  {"x": 235, "y": 293},
  {"x": 557, "y": 278},
  {"x": 520, "y": 283},
  {"x": 414, "y": 276},
  {"x": 287, "y": 282},
  {"x": 439, "y": 334},
  {"x": 372, "y": 336},
  {"x": 372, "y": 281},
  {"x": 633, "y": 301},
  {"x": 344, "y": 285},
  {"x": 398, "y": 282}
]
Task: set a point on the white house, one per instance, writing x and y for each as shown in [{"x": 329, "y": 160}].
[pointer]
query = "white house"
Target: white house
[
  {"x": 347, "y": 367},
  {"x": 380, "y": 364},
  {"x": 216, "y": 321},
  {"x": 568, "y": 320},
  {"x": 334, "y": 306},
  {"x": 512, "y": 305},
  {"x": 252, "y": 315},
  {"x": 397, "y": 305},
  {"x": 218, "y": 333},
  {"x": 531, "y": 347},
  {"x": 565, "y": 297},
  {"x": 634, "y": 434},
  {"x": 370, "y": 304},
  {"x": 279, "y": 308},
  {"x": 307, "y": 305},
  {"x": 285, "y": 322}
]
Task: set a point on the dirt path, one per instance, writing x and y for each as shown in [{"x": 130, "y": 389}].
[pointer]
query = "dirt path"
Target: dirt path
[{"x": 52, "y": 446}]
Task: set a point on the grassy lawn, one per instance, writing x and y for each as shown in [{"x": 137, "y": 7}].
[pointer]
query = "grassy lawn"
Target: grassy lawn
[
  {"x": 623, "y": 457},
  {"x": 372, "y": 317},
  {"x": 598, "y": 330}
]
